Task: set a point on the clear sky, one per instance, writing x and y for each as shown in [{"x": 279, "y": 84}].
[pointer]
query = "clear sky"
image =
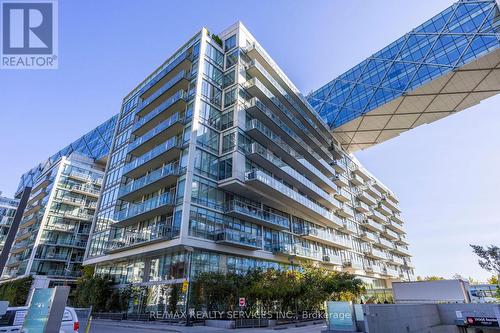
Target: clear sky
[{"x": 445, "y": 174}]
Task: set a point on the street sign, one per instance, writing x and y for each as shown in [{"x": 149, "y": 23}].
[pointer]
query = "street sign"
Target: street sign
[
  {"x": 242, "y": 302},
  {"x": 482, "y": 321},
  {"x": 185, "y": 286}
]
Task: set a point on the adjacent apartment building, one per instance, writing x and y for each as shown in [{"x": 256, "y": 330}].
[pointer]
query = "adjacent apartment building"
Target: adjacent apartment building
[
  {"x": 220, "y": 164},
  {"x": 51, "y": 238},
  {"x": 8, "y": 207}
]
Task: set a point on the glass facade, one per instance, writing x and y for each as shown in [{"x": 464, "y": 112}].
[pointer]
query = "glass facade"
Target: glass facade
[
  {"x": 95, "y": 144},
  {"x": 218, "y": 163},
  {"x": 8, "y": 209},
  {"x": 462, "y": 33}
]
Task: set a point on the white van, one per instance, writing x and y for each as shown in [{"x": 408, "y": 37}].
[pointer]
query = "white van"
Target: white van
[{"x": 13, "y": 319}]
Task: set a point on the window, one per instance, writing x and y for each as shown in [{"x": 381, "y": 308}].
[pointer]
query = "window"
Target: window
[
  {"x": 206, "y": 164},
  {"x": 213, "y": 73},
  {"x": 230, "y": 43},
  {"x": 228, "y": 142},
  {"x": 229, "y": 97},
  {"x": 215, "y": 55},
  {"x": 228, "y": 79},
  {"x": 208, "y": 138},
  {"x": 226, "y": 168},
  {"x": 232, "y": 59},
  {"x": 212, "y": 93}
]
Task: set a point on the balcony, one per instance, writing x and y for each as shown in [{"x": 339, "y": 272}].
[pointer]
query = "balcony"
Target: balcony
[
  {"x": 168, "y": 128},
  {"x": 308, "y": 253},
  {"x": 77, "y": 214},
  {"x": 238, "y": 238},
  {"x": 286, "y": 195},
  {"x": 342, "y": 195},
  {"x": 323, "y": 236},
  {"x": 349, "y": 227},
  {"x": 361, "y": 207},
  {"x": 174, "y": 104},
  {"x": 182, "y": 63},
  {"x": 390, "y": 234},
  {"x": 385, "y": 243},
  {"x": 345, "y": 211},
  {"x": 41, "y": 182},
  {"x": 62, "y": 273},
  {"x": 178, "y": 82},
  {"x": 274, "y": 164},
  {"x": 395, "y": 260},
  {"x": 154, "y": 158},
  {"x": 38, "y": 195},
  {"x": 352, "y": 264},
  {"x": 401, "y": 239},
  {"x": 254, "y": 51},
  {"x": 380, "y": 188},
  {"x": 255, "y": 214},
  {"x": 53, "y": 257},
  {"x": 361, "y": 172},
  {"x": 368, "y": 236},
  {"x": 332, "y": 259},
  {"x": 401, "y": 249},
  {"x": 85, "y": 176},
  {"x": 395, "y": 227},
  {"x": 339, "y": 166},
  {"x": 166, "y": 176},
  {"x": 377, "y": 216},
  {"x": 372, "y": 225},
  {"x": 66, "y": 242},
  {"x": 383, "y": 209},
  {"x": 365, "y": 197},
  {"x": 340, "y": 180},
  {"x": 356, "y": 179},
  {"x": 135, "y": 212},
  {"x": 133, "y": 239},
  {"x": 373, "y": 191},
  {"x": 387, "y": 203},
  {"x": 391, "y": 272},
  {"x": 374, "y": 253},
  {"x": 372, "y": 268},
  {"x": 396, "y": 217},
  {"x": 81, "y": 189}
]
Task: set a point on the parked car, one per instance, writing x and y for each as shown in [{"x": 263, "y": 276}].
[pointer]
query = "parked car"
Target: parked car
[{"x": 12, "y": 321}]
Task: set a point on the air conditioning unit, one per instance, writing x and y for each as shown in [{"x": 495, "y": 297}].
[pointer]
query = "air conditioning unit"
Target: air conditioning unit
[{"x": 326, "y": 258}]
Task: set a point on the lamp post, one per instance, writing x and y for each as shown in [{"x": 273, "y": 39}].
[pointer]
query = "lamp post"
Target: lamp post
[{"x": 190, "y": 251}]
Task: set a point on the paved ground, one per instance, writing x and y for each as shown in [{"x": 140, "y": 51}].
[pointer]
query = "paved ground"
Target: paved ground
[{"x": 106, "y": 326}]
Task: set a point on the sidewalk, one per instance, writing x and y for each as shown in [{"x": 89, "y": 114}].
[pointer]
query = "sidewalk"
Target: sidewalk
[{"x": 163, "y": 327}]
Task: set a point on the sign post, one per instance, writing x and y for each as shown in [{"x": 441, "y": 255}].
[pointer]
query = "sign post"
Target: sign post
[
  {"x": 46, "y": 310},
  {"x": 242, "y": 302},
  {"x": 340, "y": 317}
]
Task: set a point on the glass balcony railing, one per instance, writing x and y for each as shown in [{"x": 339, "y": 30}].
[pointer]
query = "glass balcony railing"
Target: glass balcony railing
[
  {"x": 135, "y": 209},
  {"x": 133, "y": 238},
  {"x": 176, "y": 117},
  {"x": 241, "y": 207},
  {"x": 386, "y": 242},
  {"x": 75, "y": 214},
  {"x": 173, "y": 142},
  {"x": 171, "y": 169},
  {"x": 80, "y": 188},
  {"x": 180, "y": 95},
  {"x": 291, "y": 86},
  {"x": 299, "y": 198},
  {"x": 279, "y": 163},
  {"x": 186, "y": 55},
  {"x": 238, "y": 238},
  {"x": 177, "y": 78},
  {"x": 61, "y": 272},
  {"x": 324, "y": 235}
]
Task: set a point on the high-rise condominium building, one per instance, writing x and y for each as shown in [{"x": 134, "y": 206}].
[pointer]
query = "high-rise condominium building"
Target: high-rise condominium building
[
  {"x": 53, "y": 233},
  {"x": 8, "y": 207},
  {"x": 63, "y": 190},
  {"x": 220, "y": 164}
]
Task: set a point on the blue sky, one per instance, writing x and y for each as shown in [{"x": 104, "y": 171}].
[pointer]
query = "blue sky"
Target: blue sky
[{"x": 444, "y": 173}]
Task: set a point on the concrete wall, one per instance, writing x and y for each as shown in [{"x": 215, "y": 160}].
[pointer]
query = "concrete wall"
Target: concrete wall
[
  {"x": 400, "y": 318},
  {"x": 422, "y": 318}
]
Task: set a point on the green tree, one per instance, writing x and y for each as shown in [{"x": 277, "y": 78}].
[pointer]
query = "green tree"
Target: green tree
[
  {"x": 94, "y": 290},
  {"x": 430, "y": 278},
  {"x": 16, "y": 291},
  {"x": 489, "y": 258},
  {"x": 493, "y": 280}
]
